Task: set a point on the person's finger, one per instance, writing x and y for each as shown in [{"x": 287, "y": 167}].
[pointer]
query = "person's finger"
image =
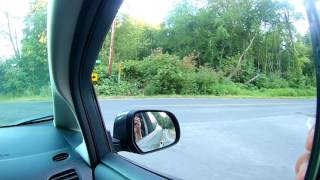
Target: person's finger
[
  {"x": 302, "y": 160},
  {"x": 310, "y": 140},
  {"x": 302, "y": 171}
]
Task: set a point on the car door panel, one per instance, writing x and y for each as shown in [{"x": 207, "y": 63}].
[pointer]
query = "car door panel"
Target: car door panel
[{"x": 115, "y": 167}]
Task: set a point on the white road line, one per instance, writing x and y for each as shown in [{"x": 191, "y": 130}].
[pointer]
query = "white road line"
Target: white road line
[{"x": 216, "y": 105}]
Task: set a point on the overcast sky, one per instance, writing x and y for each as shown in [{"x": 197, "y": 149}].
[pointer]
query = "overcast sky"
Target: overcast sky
[{"x": 150, "y": 11}]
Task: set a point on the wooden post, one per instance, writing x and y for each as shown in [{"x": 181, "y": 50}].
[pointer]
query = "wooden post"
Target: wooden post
[{"x": 111, "y": 53}]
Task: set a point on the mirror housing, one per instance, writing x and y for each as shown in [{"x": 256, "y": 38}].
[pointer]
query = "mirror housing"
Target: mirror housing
[{"x": 124, "y": 134}]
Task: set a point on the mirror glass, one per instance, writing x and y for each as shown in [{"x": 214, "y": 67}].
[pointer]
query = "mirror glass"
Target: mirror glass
[{"x": 153, "y": 130}]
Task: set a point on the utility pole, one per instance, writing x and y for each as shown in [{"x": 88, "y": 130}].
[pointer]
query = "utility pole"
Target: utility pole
[{"x": 111, "y": 53}]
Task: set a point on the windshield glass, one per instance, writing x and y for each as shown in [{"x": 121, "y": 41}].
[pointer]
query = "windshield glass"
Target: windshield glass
[{"x": 25, "y": 92}]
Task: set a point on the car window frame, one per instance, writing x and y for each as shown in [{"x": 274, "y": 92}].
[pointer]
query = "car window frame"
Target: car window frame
[
  {"x": 314, "y": 24},
  {"x": 93, "y": 23}
]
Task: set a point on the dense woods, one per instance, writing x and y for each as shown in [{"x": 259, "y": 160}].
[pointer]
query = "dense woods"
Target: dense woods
[{"x": 220, "y": 47}]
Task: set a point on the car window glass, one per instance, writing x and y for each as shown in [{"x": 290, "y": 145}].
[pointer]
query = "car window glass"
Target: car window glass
[
  {"x": 148, "y": 123},
  {"x": 153, "y": 120},
  {"x": 239, "y": 76},
  {"x": 25, "y": 91}
]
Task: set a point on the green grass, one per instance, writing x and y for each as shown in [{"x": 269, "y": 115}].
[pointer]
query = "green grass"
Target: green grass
[
  {"x": 24, "y": 98},
  {"x": 206, "y": 96},
  {"x": 223, "y": 91},
  {"x": 228, "y": 91}
]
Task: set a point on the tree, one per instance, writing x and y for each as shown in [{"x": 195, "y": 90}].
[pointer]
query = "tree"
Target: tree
[
  {"x": 11, "y": 33},
  {"x": 34, "y": 62}
]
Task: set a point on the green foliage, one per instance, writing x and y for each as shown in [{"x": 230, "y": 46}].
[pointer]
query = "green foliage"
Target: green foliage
[
  {"x": 271, "y": 81},
  {"x": 290, "y": 92},
  {"x": 205, "y": 77},
  {"x": 109, "y": 87},
  {"x": 224, "y": 89},
  {"x": 243, "y": 47},
  {"x": 28, "y": 75},
  {"x": 134, "y": 39},
  {"x": 164, "y": 121},
  {"x": 159, "y": 74},
  {"x": 168, "y": 80},
  {"x": 166, "y": 74}
]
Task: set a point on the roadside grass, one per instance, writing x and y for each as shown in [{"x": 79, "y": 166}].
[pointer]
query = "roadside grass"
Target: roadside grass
[
  {"x": 24, "y": 98},
  {"x": 237, "y": 92},
  {"x": 220, "y": 92},
  {"x": 205, "y": 97}
]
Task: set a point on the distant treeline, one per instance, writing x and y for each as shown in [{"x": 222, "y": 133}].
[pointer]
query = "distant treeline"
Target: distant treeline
[{"x": 223, "y": 47}]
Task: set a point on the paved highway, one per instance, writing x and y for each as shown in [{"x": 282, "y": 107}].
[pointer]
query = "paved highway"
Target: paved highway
[
  {"x": 240, "y": 139},
  {"x": 226, "y": 138}
]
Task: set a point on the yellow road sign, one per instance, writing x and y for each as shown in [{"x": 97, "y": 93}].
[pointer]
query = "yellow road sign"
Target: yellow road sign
[
  {"x": 121, "y": 66},
  {"x": 94, "y": 77}
]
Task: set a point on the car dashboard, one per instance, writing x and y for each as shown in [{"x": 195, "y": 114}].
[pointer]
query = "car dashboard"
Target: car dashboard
[{"x": 41, "y": 151}]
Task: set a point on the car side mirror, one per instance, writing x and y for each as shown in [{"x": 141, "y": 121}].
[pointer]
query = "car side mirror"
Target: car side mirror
[{"x": 145, "y": 131}]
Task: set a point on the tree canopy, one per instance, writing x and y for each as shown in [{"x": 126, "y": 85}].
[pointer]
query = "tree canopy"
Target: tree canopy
[{"x": 250, "y": 43}]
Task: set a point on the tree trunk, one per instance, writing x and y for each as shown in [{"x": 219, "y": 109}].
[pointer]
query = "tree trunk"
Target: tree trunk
[
  {"x": 221, "y": 56},
  {"x": 242, "y": 57},
  {"x": 287, "y": 21},
  {"x": 112, "y": 50},
  {"x": 13, "y": 42},
  {"x": 252, "y": 79}
]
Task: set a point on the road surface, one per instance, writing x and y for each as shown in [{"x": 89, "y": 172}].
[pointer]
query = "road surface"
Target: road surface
[{"x": 240, "y": 139}]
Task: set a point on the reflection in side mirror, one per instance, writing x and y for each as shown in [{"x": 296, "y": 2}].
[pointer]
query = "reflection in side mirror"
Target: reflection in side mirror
[
  {"x": 153, "y": 130},
  {"x": 145, "y": 131}
]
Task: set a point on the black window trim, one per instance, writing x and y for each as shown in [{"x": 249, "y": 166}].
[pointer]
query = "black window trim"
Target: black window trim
[
  {"x": 94, "y": 21},
  {"x": 313, "y": 166}
]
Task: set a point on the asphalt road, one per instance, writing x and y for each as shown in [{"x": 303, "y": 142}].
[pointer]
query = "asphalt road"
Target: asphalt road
[
  {"x": 240, "y": 139},
  {"x": 226, "y": 138}
]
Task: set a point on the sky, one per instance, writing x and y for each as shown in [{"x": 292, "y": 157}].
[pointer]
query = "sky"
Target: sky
[
  {"x": 17, "y": 13},
  {"x": 150, "y": 11}
]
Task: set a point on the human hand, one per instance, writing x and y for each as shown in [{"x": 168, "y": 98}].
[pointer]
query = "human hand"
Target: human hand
[
  {"x": 303, "y": 161},
  {"x": 137, "y": 125}
]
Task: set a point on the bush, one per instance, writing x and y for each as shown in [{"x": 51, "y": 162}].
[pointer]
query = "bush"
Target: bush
[
  {"x": 272, "y": 81},
  {"x": 290, "y": 92},
  {"x": 146, "y": 69},
  {"x": 45, "y": 91},
  {"x": 168, "y": 80},
  {"x": 166, "y": 74},
  {"x": 281, "y": 92},
  {"x": 160, "y": 74},
  {"x": 205, "y": 78},
  {"x": 224, "y": 89},
  {"x": 190, "y": 85},
  {"x": 109, "y": 87},
  {"x": 311, "y": 91}
]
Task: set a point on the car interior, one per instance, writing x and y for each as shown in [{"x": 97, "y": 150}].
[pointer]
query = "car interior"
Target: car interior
[{"x": 74, "y": 143}]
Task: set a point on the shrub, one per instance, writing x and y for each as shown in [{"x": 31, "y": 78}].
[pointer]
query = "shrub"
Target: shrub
[
  {"x": 224, "y": 89},
  {"x": 205, "y": 78},
  {"x": 280, "y": 92},
  {"x": 272, "y": 81},
  {"x": 109, "y": 87},
  {"x": 311, "y": 91},
  {"x": 168, "y": 80},
  {"x": 290, "y": 92},
  {"x": 190, "y": 85}
]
